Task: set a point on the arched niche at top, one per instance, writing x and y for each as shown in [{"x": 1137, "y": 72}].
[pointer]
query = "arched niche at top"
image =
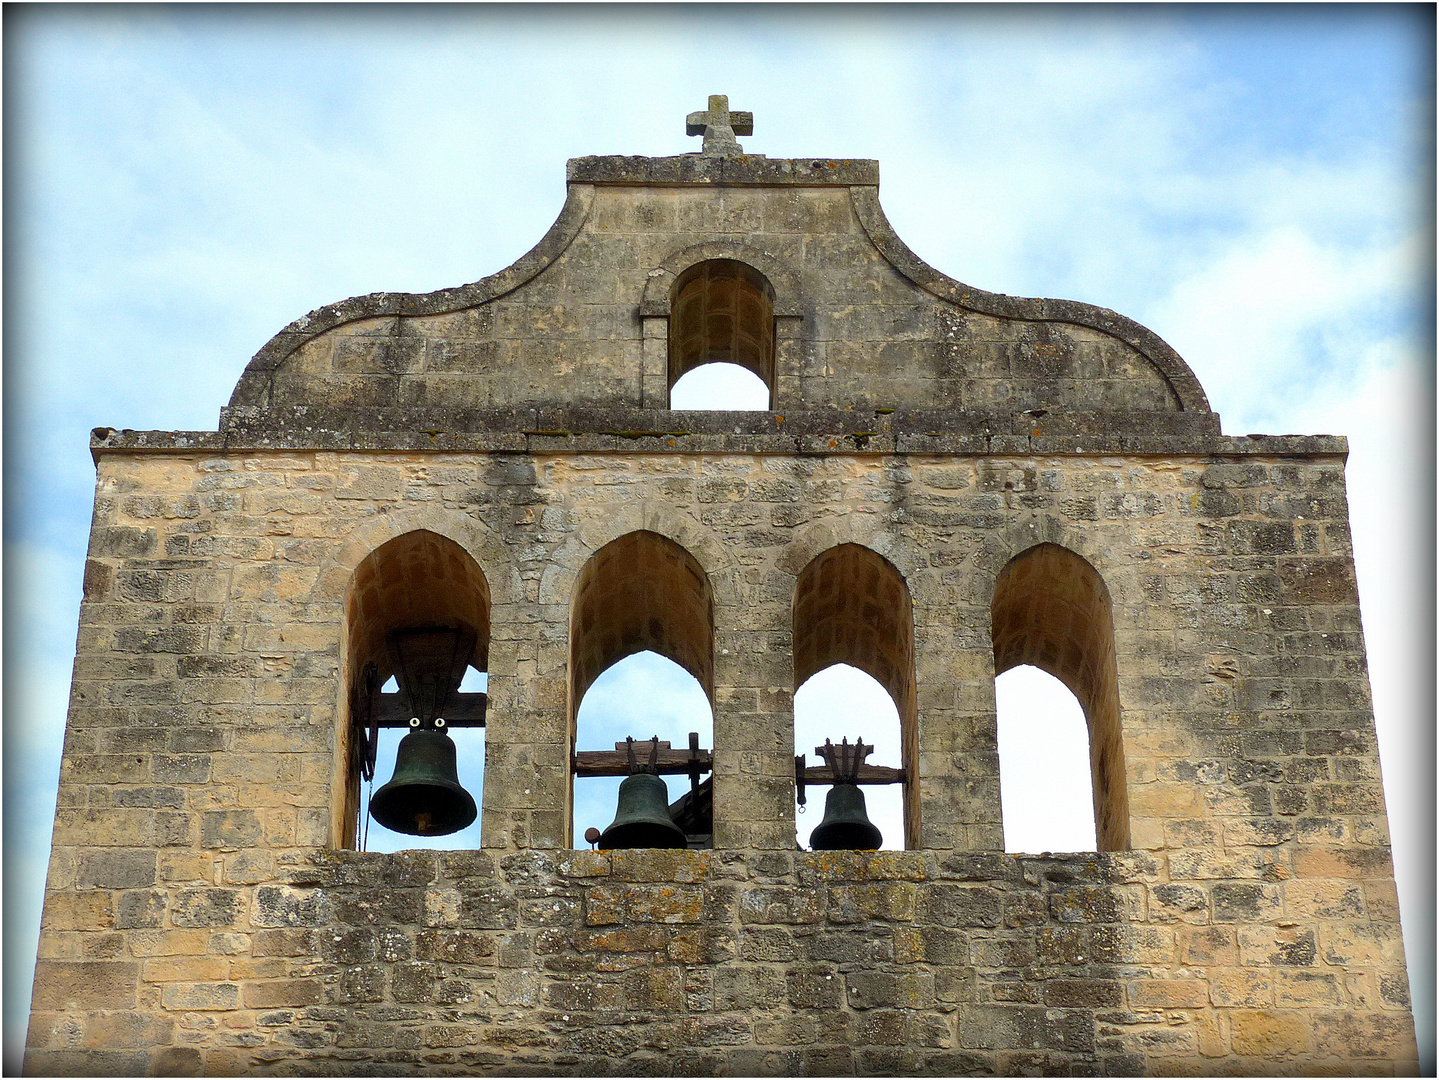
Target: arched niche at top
[{"x": 722, "y": 312}]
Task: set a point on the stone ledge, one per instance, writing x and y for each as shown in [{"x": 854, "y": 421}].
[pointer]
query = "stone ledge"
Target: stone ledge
[
  {"x": 858, "y": 426},
  {"x": 681, "y": 433},
  {"x": 748, "y": 169}
]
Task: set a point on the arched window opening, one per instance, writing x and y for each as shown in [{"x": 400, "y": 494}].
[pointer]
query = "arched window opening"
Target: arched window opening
[
  {"x": 852, "y": 610},
  {"x": 1052, "y": 611},
  {"x": 641, "y": 696},
  {"x": 841, "y": 702},
  {"x": 418, "y": 623},
  {"x": 1045, "y": 789},
  {"x": 720, "y": 387},
  {"x": 642, "y": 608},
  {"x": 722, "y": 312}
]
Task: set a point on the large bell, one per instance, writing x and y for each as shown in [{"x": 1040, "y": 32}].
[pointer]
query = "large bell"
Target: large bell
[
  {"x": 642, "y": 819},
  {"x": 424, "y": 797},
  {"x": 845, "y": 826}
]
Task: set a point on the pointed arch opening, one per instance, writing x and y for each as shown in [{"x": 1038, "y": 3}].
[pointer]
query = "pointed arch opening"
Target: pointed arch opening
[
  {"x": 641, "y": 665},
  {"x": 842, "y": 701},
  {"x": 722, "y": 317},
  {"x": 416, "y": 581},
  {"x": 643, "y": 695},
  {"x": 852, "y": 608},
  {"x": 1052, "y": 611}
]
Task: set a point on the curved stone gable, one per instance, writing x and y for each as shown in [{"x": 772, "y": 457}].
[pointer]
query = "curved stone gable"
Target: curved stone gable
[{"x": 579, "y": 322}]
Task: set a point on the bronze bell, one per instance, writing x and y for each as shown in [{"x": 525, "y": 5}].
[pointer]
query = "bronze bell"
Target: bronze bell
[
  {"x": 846, "y": 825},
  {"x": 424, "y": 797},
  {"x": 642, "y": 819}
]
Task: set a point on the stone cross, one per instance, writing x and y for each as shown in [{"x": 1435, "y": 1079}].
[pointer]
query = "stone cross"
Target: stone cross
[{"x": 719, "y": 126}]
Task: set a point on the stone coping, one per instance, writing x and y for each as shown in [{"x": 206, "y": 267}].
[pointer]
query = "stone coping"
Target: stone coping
[
  {"x": 850, "y": 440},
  {"x": 746, "y": 169},
  {"x": 258, "y": 421},
  {"x": 328, "y": 867},
  {"x": 1171, "y": 365}
]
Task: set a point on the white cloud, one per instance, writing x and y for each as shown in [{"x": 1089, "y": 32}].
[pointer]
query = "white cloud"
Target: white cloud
[{"x": 1276, "y": 317}]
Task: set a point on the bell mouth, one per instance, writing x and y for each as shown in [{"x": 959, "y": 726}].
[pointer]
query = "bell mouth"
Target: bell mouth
[{"x": 424, "y": 809}]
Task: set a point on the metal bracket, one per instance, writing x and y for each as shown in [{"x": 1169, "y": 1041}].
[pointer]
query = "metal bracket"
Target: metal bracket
[
  {"x": 364, "y": 722},
  {"x": 843, "y": 764}
]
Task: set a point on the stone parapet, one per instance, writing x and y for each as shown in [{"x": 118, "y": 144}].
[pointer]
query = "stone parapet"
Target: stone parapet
[{"x": 725, "y": 963}]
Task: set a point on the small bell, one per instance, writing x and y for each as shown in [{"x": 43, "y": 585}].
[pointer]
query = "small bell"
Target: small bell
[
  {"x": 846, "y": 825},
  {"x": 424, "y": 797},
  {"x": 642, "y": 819}
]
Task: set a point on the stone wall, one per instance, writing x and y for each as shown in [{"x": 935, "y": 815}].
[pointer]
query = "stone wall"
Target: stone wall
[
  {"x": 197, "y": 916},
  {"x": 720, "y": 963}
]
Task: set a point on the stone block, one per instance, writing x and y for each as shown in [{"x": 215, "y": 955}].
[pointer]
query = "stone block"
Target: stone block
[
  {"x": 205, "y": 907},
  {"x": 1268, "y": 1034},
  {"x": 1241, "y": 988},
  {"x": 1245, "y": 902},
  {"x": 177, "y": 1061},
  {"x": 878, "y": 989},
  {"x": 230, "y": 829},
  {"x": 169, "y": 969},
  {"x": 277, "y": 905},
  {"x": 893, "y": 900},
  {"x": 66, "y": 911},
  {"x": 964, "y": 905},
  {"x": 87, "y": 985},
  {"x": 278, "y": 993},
  {"x": 139, "y": 909},
  {"x": 370, "y": 482},
  {"x": 202, "y": 997},
  {"x": 1302, "y": 989},
  {"x": 116, "y": 869},
  {"x": 781, "y": 905},
  {"x": 1168, "y": 994}
]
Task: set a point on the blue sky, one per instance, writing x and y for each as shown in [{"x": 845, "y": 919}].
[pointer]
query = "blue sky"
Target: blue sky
[{"x": 1254, "y": 184}]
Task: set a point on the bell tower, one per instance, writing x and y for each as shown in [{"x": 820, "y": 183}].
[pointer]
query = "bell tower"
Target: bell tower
[{"x": 947, "y": 483}]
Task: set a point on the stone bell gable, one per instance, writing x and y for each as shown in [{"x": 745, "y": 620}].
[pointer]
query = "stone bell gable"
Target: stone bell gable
[
  {"x": 948, "y": 483},
  {"x": 583, "y": 322}
]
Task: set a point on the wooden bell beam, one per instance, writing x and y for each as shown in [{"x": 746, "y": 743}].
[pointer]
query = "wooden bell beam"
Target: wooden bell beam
[
  {"x": 461, "y": 710},
  {"x": 667, "y": 761}
]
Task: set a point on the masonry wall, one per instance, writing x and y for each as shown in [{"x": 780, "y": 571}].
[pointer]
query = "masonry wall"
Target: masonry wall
[{"x": 198, "y": 916}]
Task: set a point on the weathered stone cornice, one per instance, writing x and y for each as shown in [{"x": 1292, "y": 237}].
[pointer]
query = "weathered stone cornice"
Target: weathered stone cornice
[
  {"x": 750, "y": 169},
  {"x": 552, "y": 431},
  {"x": 1169, "y": 363}
]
